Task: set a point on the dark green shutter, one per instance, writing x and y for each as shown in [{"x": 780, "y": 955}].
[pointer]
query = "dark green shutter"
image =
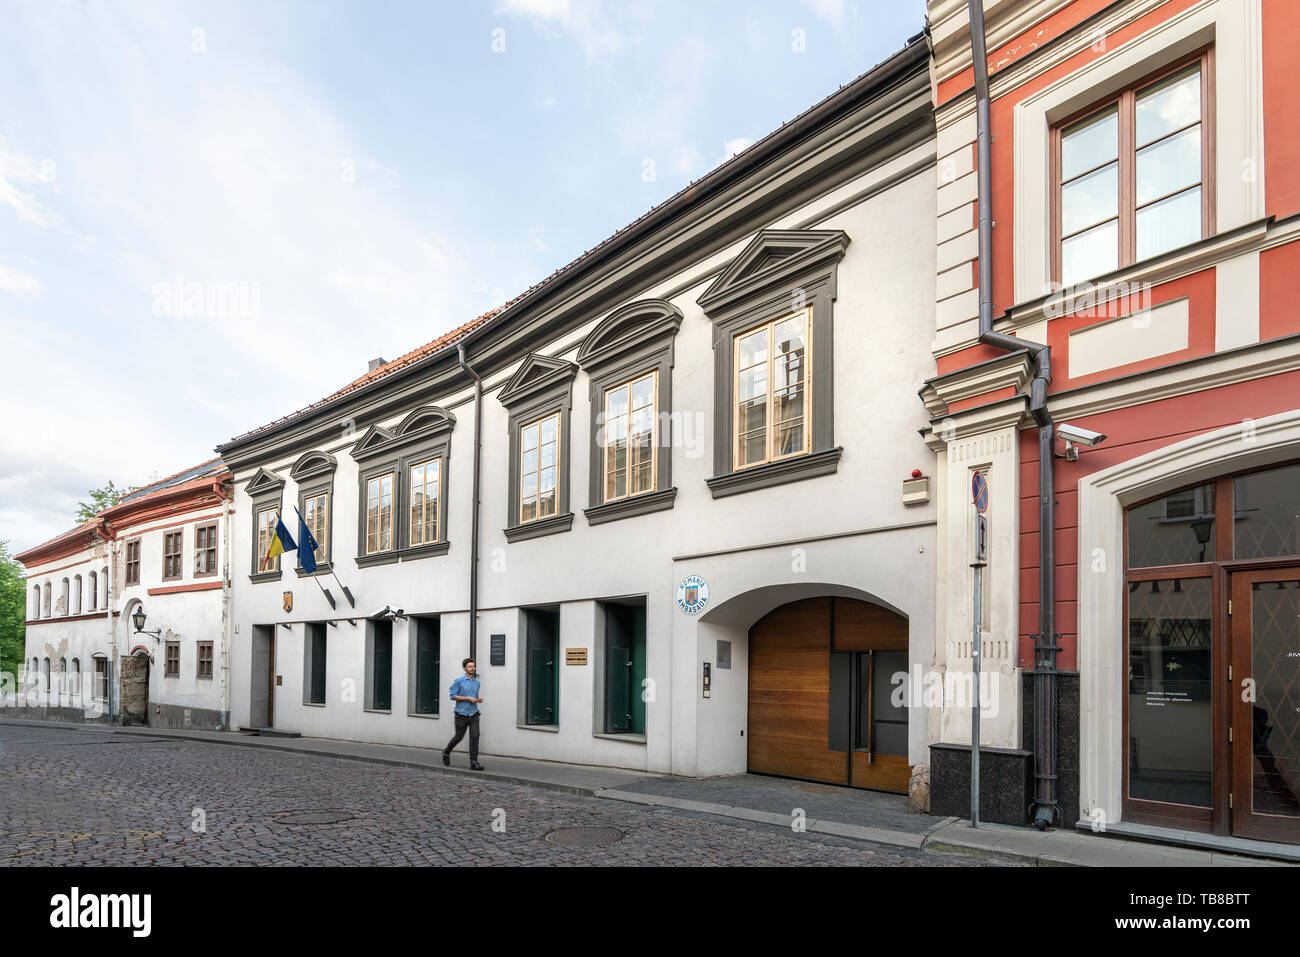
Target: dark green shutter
[
  {"x": 383, "y": 666},
  {"x": 625, "y": 665},
  {"x": 540, "y": 690},
  {"x": 427, "y": 653},
  {"x": 317, "y": 663}
]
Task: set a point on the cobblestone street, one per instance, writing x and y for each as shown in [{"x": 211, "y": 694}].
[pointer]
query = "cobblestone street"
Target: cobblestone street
[{"x": 97, "y": 798}]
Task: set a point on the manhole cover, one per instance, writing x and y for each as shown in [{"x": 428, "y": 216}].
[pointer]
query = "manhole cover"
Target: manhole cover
[
  {"x": 584, "y": 836},
  {"x": 313, "y": 817}
]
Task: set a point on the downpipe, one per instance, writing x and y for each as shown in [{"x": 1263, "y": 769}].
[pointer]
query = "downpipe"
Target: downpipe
[
  {"x": 1045, "y": 803},
  {"x": 474, "y": 509}
]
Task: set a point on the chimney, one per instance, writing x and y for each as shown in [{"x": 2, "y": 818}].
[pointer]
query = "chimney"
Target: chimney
[{"x": 375, "y": 364}]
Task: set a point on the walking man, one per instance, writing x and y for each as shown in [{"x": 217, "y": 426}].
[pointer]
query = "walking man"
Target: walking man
[{"x": 464, "y": 691}]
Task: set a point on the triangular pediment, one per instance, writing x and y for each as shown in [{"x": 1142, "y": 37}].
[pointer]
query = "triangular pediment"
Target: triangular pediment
[
  {"x": 264, "y": 481},
  {"x": 537, "y": 372},
  {"x": 374, "y": 440},
  {"x": 772, "y": 258}
]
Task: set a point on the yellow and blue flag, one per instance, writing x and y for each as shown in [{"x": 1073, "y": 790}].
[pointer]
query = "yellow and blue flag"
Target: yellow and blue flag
[{"x": 281, "y": 542}]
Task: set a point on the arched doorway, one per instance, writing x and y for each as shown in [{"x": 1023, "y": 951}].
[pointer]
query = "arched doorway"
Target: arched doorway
[
  {"x": 824, "y": 695},
  {"x": 135, "y": 687}
]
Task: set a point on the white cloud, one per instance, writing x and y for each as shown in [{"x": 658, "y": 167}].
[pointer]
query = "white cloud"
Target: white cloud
[
  {"x": 582, "y": 20},
  {"x": 738, "y": 145},
  {"x": 15, "y": 169},
  {"x": 18, "y": 283}
]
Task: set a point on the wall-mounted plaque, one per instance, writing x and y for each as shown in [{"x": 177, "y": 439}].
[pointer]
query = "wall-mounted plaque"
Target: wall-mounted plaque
[
  {"x": 497, "y": 646},
  {"x": 575, "y": 656}
]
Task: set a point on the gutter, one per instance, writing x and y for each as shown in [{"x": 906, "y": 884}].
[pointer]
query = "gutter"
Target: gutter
[
  {"x": 474, "y": 508},
  {"x": 1045, "y": 802}
]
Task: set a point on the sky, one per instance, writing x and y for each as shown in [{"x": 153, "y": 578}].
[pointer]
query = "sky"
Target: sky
[{"x": 215, "y": 213}]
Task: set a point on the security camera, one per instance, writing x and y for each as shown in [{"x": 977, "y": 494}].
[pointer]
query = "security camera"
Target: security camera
[
  {"x": 1075, "y": 435},
  {"x": 383, "y": 612}
]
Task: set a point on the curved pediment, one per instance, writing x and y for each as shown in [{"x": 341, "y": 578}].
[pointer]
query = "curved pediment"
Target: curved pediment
[
  {"x": 426, "y": 421},
  {"x": 312, "y": 464},
  {"x": 647, "y": 322}
]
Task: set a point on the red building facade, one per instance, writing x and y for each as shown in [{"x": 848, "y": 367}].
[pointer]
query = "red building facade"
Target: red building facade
[{"x": 1142, "y": 208}]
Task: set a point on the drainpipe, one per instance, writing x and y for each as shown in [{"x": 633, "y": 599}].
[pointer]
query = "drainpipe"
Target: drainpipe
[
  {"x": 474, "y": 510},
  {"x": 1046, "y": 808},
  {"x": 112, "y": 631},
  {"x": 223, "y": 718}
]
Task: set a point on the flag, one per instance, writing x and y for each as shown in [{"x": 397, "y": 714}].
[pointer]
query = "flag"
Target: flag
[
  {"x": 281, "y": 542},
  {"x": 306, "y": 546}
]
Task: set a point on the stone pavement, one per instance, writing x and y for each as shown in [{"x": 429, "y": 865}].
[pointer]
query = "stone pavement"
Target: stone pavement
[
  {"x": 86, "y": 797},
  {"x": 825, "y": 811}
]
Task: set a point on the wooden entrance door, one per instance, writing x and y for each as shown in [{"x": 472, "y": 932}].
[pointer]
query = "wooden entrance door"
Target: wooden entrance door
[
  {"x": 821, "y": 694},
  {"x": 1266, "y": 704}
]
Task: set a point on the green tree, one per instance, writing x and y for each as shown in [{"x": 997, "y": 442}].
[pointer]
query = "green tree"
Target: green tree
[
  {"x": 13, "y": 611},
  {"x": 100, "y": 499}
]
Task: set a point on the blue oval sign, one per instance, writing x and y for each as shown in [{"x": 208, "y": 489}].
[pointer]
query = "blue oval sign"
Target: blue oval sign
[{"x": 979, "y": 491}]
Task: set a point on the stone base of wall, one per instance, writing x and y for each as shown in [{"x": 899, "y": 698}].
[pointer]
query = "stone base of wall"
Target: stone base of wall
[
  {"x": 52, "y": 713},
  {"x": 178, "y": 717},
  {"x": 1067, "y": 740},
  {"x": 1005, "y": 776}
]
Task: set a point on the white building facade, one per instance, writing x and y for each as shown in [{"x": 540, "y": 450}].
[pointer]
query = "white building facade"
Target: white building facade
[
  {"x": 672, "y": 500},
  {"x": 162, "y": 551}
]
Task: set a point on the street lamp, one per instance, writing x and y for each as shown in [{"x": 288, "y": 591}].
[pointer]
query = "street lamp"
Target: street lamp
[{"x": 138, "y": 619}]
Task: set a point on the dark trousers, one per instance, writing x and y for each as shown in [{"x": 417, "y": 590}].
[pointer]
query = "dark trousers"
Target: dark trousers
[{"x": 465, "y": 723}]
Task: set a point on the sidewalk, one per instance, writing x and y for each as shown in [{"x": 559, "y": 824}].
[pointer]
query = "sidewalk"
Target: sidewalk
[{"x": 833, "y": 811}]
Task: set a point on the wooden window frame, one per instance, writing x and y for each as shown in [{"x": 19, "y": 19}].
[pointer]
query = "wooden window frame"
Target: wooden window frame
[
  {"x": 653, "y": 375},
  {"x": 559, "y": 464},
  {"x": 771, "y": 427},
  {"x": 393, "y": 499},
  {"x": 321, "y": 530},
  {"x": 437, "y": 502},
  {"x": 173, "y": 551},
  {"x": 260, "y": 547},
  {"x": 203, "y": 657},
  {"x": 1126, "y": 100},
  {"x": 132, "y": 572},
  {"x": 99, "y": 686},
  {"x": 172, "y": 660},
  {"x": 206, "y": 533}
]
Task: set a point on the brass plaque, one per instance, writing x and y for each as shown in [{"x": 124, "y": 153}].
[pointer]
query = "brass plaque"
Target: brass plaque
[
  {"x": 279, "y": 680},
  {"x": 575, "y": 656}
]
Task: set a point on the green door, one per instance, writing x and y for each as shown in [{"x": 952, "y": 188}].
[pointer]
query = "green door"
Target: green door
[{"x": 540, "y": 689}]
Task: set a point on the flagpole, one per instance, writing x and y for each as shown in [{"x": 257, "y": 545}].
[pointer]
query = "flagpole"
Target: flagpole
[{"x": 328, "y": 597}]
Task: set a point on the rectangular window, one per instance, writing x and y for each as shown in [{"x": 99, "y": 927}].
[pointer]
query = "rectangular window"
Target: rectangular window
[
  {"x": 541, "y": 695},
  {"x": 266, "y": 519},
  {"x": 172, "y": 543},
  {"x": 205, "y": 659},
  {"x": 315, "y": 664},
  {"x": 205, "y": 550},
  {"x": 1132, "y": 177},
  {"x": 539, "y": 455},
  {"x": 428, "y": 684},
  {"x": 630, "y": 437},
  {"x": 425, "y": 483},
  {"x": 771, "y": 391},
  {"x": 100, "y": 690},
  {"x": 379, "y": 514},
  {"x": 173, "y": 660},
  {"x": 133, "y": 562},
  {"x": 315, "y": 512},
  {"x": 625, "y": 666}
]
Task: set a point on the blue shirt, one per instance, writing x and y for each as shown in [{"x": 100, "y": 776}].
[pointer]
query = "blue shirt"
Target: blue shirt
[{"x": 467, "y": 687}]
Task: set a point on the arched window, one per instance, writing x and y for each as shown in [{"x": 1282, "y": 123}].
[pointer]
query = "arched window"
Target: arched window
[
  {"x": 61, "y": 680},
  {"x": 74, "y": 678},
  {"x": 93, "y": 583},
  {"x": 33, "y": 673},
  {"x": 45, "y": 675},
  {"x": 65, "y": 596},
  {"x": 45, "y": 612},
  {"x": 76, "y": 595},
  {"x": 35, "y": 611},
  {"x": 103, "y": 578}
]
